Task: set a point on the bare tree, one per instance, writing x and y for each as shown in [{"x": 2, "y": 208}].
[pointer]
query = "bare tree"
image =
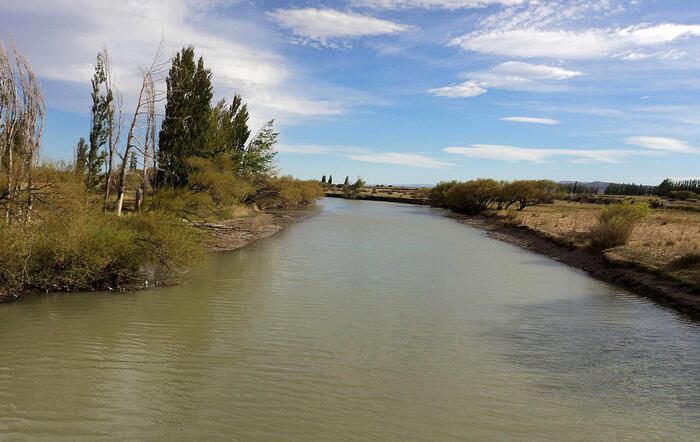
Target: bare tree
[
  {"x": 22, "y": 112},
  {"x": 143, "y": 120},
  {"x": 114, "y": 127}
]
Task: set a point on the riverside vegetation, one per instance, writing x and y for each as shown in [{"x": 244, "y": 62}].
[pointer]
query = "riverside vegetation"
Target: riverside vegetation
[{"x": 123, "y": 212}]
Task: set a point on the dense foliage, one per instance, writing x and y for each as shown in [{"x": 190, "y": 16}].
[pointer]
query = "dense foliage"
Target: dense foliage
[
  {"x": 352, "y": 191},
  {"x": 58, "y": 236},
  {"x": 475, "y": 196},
  {"x": 629, "y": 189},
  {"x": 665, "y": 189},
  {"x": 187, "y": 117}
]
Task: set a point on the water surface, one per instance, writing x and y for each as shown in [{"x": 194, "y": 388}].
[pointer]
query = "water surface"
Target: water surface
[{"x": 369, "y": 321}]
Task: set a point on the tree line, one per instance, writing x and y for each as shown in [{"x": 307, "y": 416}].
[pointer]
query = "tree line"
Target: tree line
[
  {"x": 681, "y": 189},
  {"x": 475, "y": 196},
  {"x": 197, "y": 161}
]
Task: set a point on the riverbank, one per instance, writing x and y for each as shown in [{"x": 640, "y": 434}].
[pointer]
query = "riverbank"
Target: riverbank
[
  {"x": 634, "y": 276},
  {"x": 236, "y": 233},
  {"x": 659, "y": 261},
  {"x": 227, "y": 235}
]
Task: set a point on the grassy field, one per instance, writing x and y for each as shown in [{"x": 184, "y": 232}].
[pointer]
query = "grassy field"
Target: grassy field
[
  {"x": 667, "y": 240},
  {"x": 659, "y": 242}
]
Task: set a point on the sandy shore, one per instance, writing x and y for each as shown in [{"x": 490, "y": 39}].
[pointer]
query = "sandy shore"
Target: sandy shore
[
  {"x": 667, "y": 292},
  {"x": 239, "y": 232}
]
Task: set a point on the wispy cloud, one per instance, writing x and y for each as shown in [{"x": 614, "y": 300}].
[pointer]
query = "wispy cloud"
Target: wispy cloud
[
  {"x": 528, "y": 42},
  {"x": 363, "y": 154},
  {"x": 402, "y": 159},
  {"x": 320, "y": 149},
  {"x": 73, "y": 31},
  {"x": 514, "y": 153},
  {"x": 531, "y": 120},
  {"x": 512, "y": 75},
  {"x": 531, "y": 72},
  {"x": 432, "y": 4},
  {"x": 327, "y": 26},
  {"x": 463, "y": 90},
  {"x": 660, "y": 143}
]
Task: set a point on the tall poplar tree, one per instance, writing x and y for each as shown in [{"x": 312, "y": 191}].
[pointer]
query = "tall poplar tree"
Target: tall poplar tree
[
  {"x": 228, "y": 131},
  {"x": 260, "y": 152},
  {"x": 101, "y": 125},
  {"x": 184, "y": 130}
]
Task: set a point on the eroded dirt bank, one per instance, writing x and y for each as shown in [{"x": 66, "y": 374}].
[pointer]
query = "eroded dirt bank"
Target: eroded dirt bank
[
  {"x": 640, "y": 281},
  {"x": 239, "y": 232}
]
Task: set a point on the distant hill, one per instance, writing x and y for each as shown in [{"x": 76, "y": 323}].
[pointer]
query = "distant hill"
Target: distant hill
[{"x": 600, "y": 185}]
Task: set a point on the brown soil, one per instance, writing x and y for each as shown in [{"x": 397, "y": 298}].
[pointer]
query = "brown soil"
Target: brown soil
[{"x": 239, "y": 232}]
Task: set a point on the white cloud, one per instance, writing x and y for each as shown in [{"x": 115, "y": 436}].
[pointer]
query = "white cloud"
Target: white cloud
[
  {"x": 463, "y": 90},
  {"x": 547, "y": 13},
  {"x": 326, "y": 25},
  {"x": 529, "y": 42},
  {"x": 73, "y": 31},
  {"x": 513, "y": 75},
  {"x": 432, "y": 4},
  {"x": 320, "y": 149},
  {"x": 513, "y": 153},
  {"x": 363, "y": 154},
  {"x": 403, "y": 159},
  {"x": 534, "y": 71},
  {"x": 660, "y": 143},
  {"x": 531, "y": 120}
]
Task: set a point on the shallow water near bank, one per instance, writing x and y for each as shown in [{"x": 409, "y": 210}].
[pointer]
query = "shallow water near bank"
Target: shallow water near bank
[{"x": 371, "y": 320}]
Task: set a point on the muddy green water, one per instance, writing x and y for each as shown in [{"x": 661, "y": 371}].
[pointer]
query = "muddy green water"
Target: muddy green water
[{"x": 369, "y": 321}]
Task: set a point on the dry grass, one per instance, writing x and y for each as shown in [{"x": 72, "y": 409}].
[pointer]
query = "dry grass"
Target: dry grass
[{"x": 657, "y": 241}]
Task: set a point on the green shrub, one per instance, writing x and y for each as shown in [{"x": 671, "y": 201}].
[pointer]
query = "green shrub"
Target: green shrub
[
  {"x": 94, "y": 251},
  {"x": 284, "y": 192},
  {"x": 473, "y": 196},
  {"x": 186, "y": 204},
  {"x": 615, "y": 224},
  {"x": 437, "y": 196},
  {"x": 352, "y": 191}
]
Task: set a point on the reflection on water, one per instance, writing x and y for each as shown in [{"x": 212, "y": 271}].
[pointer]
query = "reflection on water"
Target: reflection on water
[{"x": 369, "y": 321}]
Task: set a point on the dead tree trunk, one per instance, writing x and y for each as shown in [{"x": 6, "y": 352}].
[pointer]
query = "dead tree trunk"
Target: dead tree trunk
[{"x": 144, "y": 108}]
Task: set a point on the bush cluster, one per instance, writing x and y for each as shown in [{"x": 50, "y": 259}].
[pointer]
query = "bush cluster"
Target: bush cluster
[
  {"x": 93, "y": 250},
  {"x": 215, "y": 190},
  {"x": 475, "y": 196},
  {"x": 284, "y": 192}
]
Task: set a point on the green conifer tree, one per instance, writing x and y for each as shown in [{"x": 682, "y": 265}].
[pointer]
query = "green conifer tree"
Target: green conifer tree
[
  {"x": 228, "y": 130},
  {"x": 186, "y": 124},
  {"x": 81, "y": 154},
  {"x": 260, "y": 152}
]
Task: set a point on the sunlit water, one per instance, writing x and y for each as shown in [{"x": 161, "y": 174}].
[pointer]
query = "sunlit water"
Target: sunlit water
[{"x": 369, "y": 321}]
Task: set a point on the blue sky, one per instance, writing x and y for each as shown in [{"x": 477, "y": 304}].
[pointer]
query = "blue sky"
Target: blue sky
[{"x": 407, "y": 91}]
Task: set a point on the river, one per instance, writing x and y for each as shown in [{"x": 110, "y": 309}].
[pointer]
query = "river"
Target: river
[{"x": 369, "y": 321}]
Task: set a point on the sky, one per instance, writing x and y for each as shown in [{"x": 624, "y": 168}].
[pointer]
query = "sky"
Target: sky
[{"x": 405, "y": 91}]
